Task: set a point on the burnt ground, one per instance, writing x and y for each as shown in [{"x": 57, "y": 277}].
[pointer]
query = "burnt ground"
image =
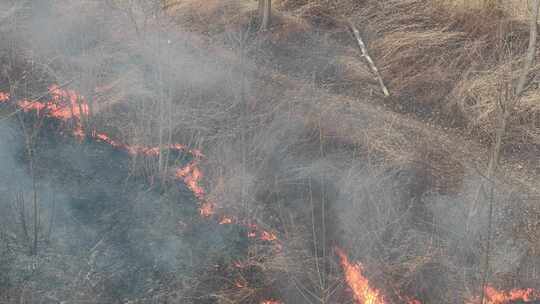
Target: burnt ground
[{"x": 104, "y": 232}]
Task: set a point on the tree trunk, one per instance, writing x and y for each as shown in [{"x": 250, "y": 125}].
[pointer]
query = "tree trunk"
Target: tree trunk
[{"x": 265, "y": 13}]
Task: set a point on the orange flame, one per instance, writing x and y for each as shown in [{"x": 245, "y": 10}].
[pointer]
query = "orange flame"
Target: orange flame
[
  {"x": 225, "y": 220},
  {"x": 64, "y": 105},
  {"x": 69, "y": 107},
  {"x": 494, "y": 296},
  {"x": 362, "y": 291},
  {"x": 268, "y": 236},
  {"x": 4, "y": 97},
  {"x": 192, "y": 176}
]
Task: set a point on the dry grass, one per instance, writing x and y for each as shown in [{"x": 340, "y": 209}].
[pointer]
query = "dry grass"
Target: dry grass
[
  {"x": 426, "y": 54},
  {"x": 477, "y": 95},
  {"x": 448, "y": 63},
  {"x": 515, "y": 8},
  {"x": 441, "y": 59},
  {"x": 210, "y": 16}
]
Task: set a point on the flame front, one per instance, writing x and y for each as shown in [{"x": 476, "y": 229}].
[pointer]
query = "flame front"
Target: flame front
[
  {"x": 70, "y": 108},
  {"x": 494, "y": 296},
  {"x": 192, "y": 177},
  {"x": 362, "y": 291}
]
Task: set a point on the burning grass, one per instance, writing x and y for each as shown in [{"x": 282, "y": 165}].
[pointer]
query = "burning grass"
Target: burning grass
[
  {"x": 292, "y": 170},
  {"x": 359, "y": 284},
  {"x": 68, "y": 108}
]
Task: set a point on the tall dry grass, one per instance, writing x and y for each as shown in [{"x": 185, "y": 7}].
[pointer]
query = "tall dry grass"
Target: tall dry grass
[
  {"x": 443, "y": 59},
  {"x": 515, "y": 8}
]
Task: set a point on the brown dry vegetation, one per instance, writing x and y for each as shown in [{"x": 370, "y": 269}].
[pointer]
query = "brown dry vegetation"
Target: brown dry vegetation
[
  {"x": 444, "y": 64},
  {"x": 442, "y": 61}
]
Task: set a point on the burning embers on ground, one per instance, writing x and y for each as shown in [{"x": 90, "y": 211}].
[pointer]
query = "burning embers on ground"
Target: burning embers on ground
[
  {"x": 71, "y": 108},
  {"x": 494, "y": 296},
  {"x": 364, "y": 293}
]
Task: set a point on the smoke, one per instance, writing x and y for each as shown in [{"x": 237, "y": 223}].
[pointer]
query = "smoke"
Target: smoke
[
  {"x": 111, "y": 230},
  {"x": 10, "y": 143}
]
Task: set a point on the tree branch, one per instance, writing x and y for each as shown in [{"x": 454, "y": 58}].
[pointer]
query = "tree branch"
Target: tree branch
[{"x": 370, "y": 61}]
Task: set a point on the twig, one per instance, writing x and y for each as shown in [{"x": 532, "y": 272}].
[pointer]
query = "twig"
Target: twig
[{"x": 368, "y": 58}]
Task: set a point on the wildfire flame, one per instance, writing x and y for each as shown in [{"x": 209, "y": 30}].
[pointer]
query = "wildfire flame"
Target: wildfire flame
[
  {"x": 359, "y": 284},
  {"x": 69, "y": 107},
  {"x": 4, "y": 97},
  {"x": 268, "y": 236},
  {"x": 494, "y": 296},
  {"x": 192, "y": 177},
  {"x": 226, "y": 220}
]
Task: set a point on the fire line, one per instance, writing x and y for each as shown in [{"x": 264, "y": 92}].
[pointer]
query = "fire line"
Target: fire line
[{"x": 70, "y": 108}]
